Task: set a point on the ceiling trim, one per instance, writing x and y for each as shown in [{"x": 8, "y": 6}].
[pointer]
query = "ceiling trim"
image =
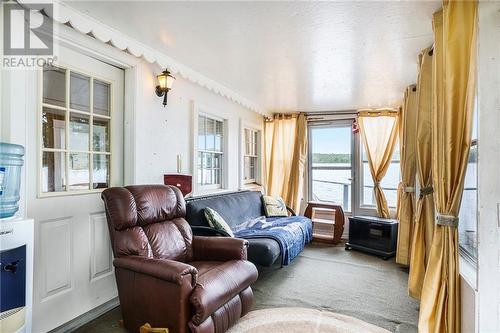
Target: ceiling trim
[{"x": 90, "y": 26}]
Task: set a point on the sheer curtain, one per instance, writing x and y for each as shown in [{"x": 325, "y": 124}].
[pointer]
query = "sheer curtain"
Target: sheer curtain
[
  {"x": 455, "y": 30},
  {"x": 286, "y": 152},
  {"x": 379, "y": 130},
  {"x": 406, "y": 188}
]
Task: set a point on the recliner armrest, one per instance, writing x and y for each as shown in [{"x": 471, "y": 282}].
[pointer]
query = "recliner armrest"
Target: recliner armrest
[
  {"x": 163, "y": 269},
  {"x": 219, "y": 248}
]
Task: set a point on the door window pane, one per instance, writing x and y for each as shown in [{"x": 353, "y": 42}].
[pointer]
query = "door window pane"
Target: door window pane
[
  {"x": 102, "y": 98},
  {"x": 53, "y": 171},
  {"x": 331, "y": 169},
  {"x": 79, "y": 173},
  {"x": 80, "y": 92},
  {"x": 77, "y": 150},
  {"x": 101, "y": 171},
  {"x": 54, "y": 86},
  {"x": 54, "y": 128},
  {"x": 79, "y": 132},
  {"x": 100, "y": 135}
]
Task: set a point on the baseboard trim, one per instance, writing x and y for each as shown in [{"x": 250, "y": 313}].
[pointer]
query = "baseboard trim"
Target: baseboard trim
[{"x": 87, "y": 317}]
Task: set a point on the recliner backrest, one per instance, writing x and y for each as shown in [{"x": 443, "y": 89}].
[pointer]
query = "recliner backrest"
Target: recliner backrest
[{"x": 148, "y": 220}]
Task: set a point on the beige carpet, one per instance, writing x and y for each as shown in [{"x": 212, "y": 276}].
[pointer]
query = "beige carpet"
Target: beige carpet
[{"x": 300, "y": 320}]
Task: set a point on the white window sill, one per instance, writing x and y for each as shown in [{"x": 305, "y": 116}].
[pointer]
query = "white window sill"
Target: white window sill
[
  {"x": 468, "y": 270},
  {"x": 203, "y": 193},
  {"x": 251, "y": 187}
]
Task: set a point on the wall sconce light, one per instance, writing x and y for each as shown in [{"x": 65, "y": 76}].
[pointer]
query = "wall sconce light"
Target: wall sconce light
[{"x": 165, "y": 82}]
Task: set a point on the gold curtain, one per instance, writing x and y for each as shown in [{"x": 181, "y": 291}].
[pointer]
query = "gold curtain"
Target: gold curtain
[
  {"x": 454, "y": 88},
  {"x": 286, "y": 151},
  {"x": 406, "y": 188},
  {"x": 379, "y": 130},
  {"x": 424, "y": 215}
]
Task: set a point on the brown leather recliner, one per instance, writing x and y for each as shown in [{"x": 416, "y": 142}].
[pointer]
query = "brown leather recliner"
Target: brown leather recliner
[{"x": 165, "y": 276}]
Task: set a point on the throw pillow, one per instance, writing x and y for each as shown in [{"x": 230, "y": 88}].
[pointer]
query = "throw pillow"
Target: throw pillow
[
  {"x": 274, "y": 206},
  {"x": 216, "y": 221}
]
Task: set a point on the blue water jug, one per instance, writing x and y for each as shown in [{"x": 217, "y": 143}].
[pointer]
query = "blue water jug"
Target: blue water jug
[{"x": 11, "y": 162}]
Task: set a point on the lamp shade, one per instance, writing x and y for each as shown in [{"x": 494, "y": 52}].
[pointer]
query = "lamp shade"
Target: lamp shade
[{"x": 165, "y": 80}]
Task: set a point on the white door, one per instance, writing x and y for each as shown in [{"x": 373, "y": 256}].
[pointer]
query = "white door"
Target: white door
[{"x": 78, "y": 143}]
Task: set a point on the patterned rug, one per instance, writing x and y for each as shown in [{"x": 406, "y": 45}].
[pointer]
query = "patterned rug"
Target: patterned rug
[{"x": 301, "y": 320}]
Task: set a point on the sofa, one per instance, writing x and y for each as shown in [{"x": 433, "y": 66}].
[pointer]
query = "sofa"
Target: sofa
[
  {"x": 239, "y": 207},
  {"x": 167, "y": 277}
]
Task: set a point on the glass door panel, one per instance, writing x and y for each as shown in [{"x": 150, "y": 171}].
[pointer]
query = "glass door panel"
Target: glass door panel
[{"x": 331, "y": 164}]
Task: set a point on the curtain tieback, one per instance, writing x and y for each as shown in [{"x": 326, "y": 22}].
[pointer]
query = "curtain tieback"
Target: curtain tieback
[
  {"x": 426, "y": 191},
  {"x": 447, "y": 220},
  {"x": 408, "y": 189},
  {"x": 376, "y": 184},
  {"x": 405, "y": 188}
]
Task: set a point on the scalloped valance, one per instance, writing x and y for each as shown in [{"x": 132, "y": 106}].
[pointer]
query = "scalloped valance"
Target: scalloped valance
[{"x": 87, "y": 25}]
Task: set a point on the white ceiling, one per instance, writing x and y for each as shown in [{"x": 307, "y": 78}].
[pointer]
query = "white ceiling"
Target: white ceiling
[{"x": 286, "y": 56}]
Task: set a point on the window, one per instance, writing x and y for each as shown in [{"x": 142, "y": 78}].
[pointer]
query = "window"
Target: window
[
  {"x": 210, "y": 152},
  {"x": 75, "y": 132},
  {"x": 467, "y": 227},
  {"x": 332, "y": 160},
  {"x": 251, "y": 142},
  {"x": 389, "y": 183}
]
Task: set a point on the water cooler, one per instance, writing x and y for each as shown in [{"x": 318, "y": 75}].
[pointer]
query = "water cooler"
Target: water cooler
[
  {"x": 16, "y": 275},
  {"x": 16, "y": 246}
]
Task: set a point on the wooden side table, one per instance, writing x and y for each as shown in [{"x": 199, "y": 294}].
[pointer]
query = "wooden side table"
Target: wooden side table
[{"x": 328, "y": 221}]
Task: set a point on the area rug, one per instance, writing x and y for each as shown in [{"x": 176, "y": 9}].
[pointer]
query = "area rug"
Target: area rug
[{"x": 301, "y": 320}]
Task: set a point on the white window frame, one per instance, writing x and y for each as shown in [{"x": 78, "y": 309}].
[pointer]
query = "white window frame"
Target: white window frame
[
  {"x": 200, "y": 110},
  {"x": 258, "y": 165},
  {"x": 67, "y": 150}
]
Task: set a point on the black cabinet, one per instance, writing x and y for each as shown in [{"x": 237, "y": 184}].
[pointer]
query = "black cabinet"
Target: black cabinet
[{"x": 373, "y": 235}]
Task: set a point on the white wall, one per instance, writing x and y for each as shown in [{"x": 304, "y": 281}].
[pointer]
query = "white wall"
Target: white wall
[
  {"x": 162, "y": 133},
  {"x": 488, "y": 168}
]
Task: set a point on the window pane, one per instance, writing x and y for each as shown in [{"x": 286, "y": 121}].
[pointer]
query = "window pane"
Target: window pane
[
  {"x": 100, "y": 134},
  {"x": 218, "y": 143},
  {"x": 54, "y": 86},
  {"x": 79, "y": 132},
  {"x": 217, "y": 161},
  {"x": 210, "y": 138},
  {"x": 53, "y": 171},
  {"x": 100, "y": 175},
  {"x": 389, "y": 183},
  {"x": 220, "y": 128},
  {"x": 102, "y": 98},
  {"x": 201, "y": 133},
  {"x": 218, "y": 177},
  {"x": 331, "y": 165},
  {"x": 79, "y": 175},
  {"x": 80, "y": 92},
  {"x": 467, "y": 228},
  {"x": 200, "y": 168},
  {"x": 54, "y": 128}
]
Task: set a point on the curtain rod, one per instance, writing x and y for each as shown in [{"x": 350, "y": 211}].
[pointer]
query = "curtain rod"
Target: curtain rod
[{"x": 378, "y": 112}]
